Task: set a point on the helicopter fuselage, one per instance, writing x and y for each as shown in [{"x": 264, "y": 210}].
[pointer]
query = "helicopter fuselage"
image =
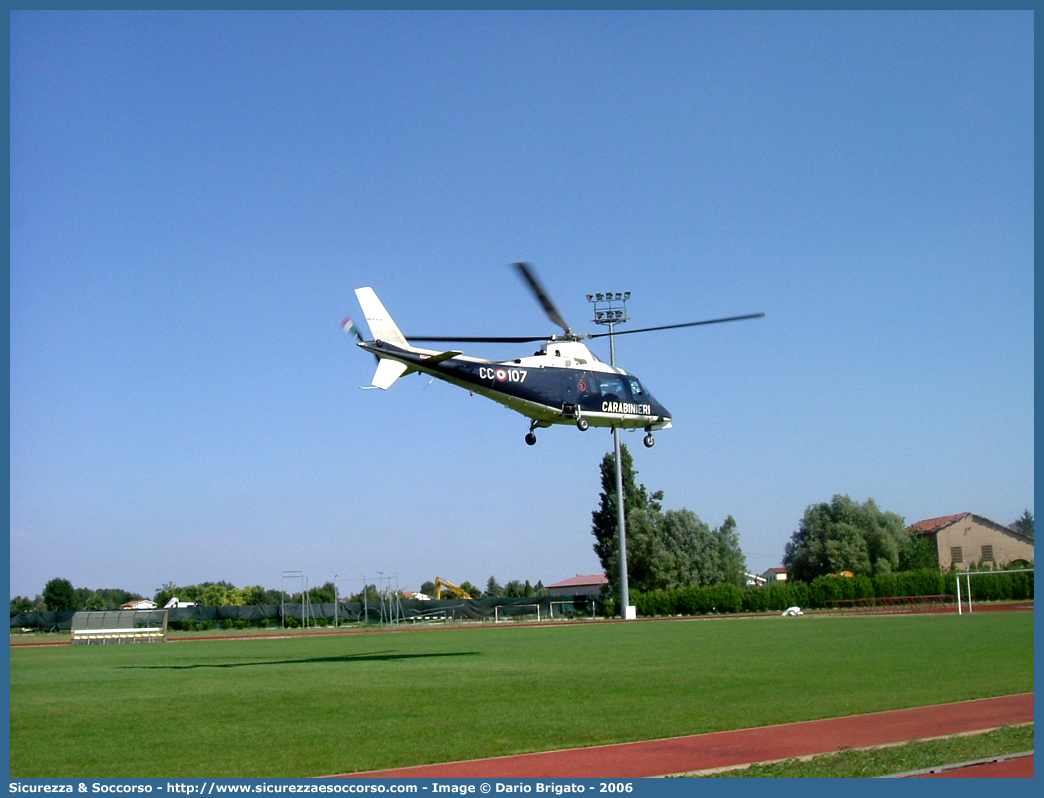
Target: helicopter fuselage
[{"x": 563, "y": 383}]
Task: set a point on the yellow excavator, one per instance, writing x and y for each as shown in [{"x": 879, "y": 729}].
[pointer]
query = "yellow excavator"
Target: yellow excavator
[{"x": 456, "y": 590}]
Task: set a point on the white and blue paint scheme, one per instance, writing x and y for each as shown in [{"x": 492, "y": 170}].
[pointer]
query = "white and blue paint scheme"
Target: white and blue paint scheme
[{"x": 562, "y": 383}]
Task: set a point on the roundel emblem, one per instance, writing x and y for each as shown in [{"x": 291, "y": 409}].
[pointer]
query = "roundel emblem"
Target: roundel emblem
[
  {"x": 581, "y": 386},
  {"x": 501, "y": 374}
]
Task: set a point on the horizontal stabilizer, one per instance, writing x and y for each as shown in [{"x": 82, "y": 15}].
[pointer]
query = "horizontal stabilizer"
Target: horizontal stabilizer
[
  {"x": 388, "y": 371},
  {"x": 431, "y": 360}
]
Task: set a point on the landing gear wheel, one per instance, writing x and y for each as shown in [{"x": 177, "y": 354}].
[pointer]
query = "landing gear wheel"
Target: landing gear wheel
[
  {"x": 530, "y": 438},
  {"x": 582, "y": 425},
  {"x": 649, "y": 441}
]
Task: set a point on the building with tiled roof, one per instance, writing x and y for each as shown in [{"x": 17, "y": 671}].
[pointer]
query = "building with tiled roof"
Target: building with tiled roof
[
  {"x": 967, "y": 538},
  {"x": 590, "y": 585},
  {"x": 777, "y": 574}
]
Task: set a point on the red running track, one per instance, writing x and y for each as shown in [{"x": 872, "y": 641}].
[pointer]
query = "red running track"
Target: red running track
[
  {"x": 1021, "y": 768},
  {"x": 744, "y": 746}
]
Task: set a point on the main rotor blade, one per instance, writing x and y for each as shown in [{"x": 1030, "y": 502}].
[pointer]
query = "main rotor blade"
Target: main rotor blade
[
  {"x": 676, "y": 326},
  {"x": 542, "y": 297},
  {"x": 473, "y": 340}
]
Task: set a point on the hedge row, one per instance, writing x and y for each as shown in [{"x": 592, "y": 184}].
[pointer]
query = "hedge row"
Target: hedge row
[{"x": 823, "y": 591}]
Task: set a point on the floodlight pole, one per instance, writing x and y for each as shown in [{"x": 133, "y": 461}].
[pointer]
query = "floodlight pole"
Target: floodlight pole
[
  {"x": 611, "y": 309},
  {"x": 366, "y": 606}
]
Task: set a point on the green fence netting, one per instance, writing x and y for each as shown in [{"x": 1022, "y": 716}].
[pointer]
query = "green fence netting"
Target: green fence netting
[{"x": 374, "y": 612}]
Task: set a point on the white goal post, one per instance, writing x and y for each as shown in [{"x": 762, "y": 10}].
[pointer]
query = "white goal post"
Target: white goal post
[
  {"x": 967, "y": 575},
  {"x": 571, "y": 603},
  {"x": 498, "y": 608}
]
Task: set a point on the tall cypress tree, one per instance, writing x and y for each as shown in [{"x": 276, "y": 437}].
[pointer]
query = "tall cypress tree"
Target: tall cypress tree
[{"x": 603, "y": 520}]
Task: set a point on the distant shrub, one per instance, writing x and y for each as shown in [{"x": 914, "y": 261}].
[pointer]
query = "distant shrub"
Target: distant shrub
[
  {"x": 923, "y": 582},
  {"x": 724, "y": 598},
  {"x": 755, "y": 599},
  {"x": 1022, "y": 586},
  {"x": 825, "y": 590},
  {"x": 862, "y": 587},
  {"x": 654, "y": 602}
]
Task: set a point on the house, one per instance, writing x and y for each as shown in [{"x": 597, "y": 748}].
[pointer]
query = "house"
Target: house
[
  {"x": 773, "y": 575},
  {"x": 411, "y": 596},
  {"x": 579, "y": 586},
  {"x": 967, "y": 538},
  {"x": 139, "y": 604}
]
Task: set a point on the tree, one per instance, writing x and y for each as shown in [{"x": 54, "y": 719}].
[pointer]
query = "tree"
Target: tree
[
  {"x": 845, "y": 535},
  {"x": 256, "y": 595},
  {"x": 166, "y": 593},
  {"x": 731, "y": 560},
  {"x": 493, "y": 588},
  {"x": 1025, "y": 523},
  {"x": 215, "y": 594},
  {"x": 59, "y": 594},
  {"x": 22, "y": 604},
  {"x": 665, "y": 550},
  {"x": 603, "y": 520},
  {"x": 920, "y": 552},
  {"x": 675, "y": 549},
  {"x": 369, "y": 593},
  {"x": 471, "y": 590},
  {"x": 428, "y": 589},
  {"x": 322, "y": 595}
]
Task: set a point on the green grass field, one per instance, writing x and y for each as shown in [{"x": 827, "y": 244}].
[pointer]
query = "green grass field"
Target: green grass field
[{"x": 331, "y": 704}]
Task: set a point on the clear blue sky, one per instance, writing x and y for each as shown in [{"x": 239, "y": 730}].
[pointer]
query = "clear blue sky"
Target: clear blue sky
[{"x": 194, "y": 197}]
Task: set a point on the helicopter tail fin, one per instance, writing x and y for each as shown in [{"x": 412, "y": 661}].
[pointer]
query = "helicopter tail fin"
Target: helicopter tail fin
[{"x": 382, "y": 328}]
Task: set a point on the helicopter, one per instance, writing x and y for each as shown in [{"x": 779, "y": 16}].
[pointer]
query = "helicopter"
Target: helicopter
[{"x": 563, "y": 382}]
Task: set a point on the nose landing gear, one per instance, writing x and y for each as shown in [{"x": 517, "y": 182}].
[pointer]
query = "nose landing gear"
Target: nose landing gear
[
  {"x": 531, "y": 436},
  {"x": 649, "y": 441}
]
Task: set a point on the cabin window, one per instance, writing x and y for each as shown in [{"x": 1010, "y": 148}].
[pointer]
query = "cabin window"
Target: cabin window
[
  {"x": 613, "y": 388},
  {"x": 636, "y": 388}
]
